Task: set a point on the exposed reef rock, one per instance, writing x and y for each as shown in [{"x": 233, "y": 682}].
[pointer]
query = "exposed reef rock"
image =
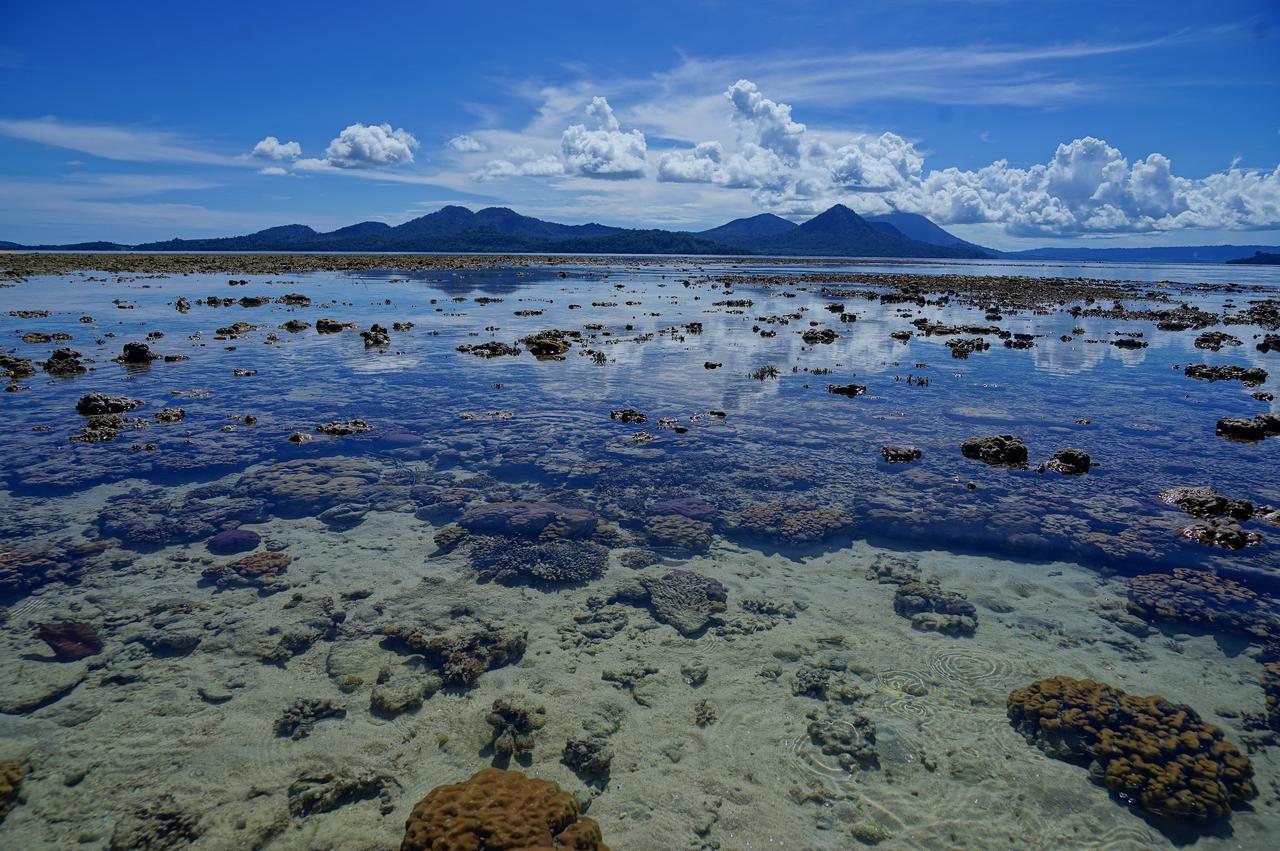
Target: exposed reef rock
[
  {"x": 1215, "y": 340},
  {"x": 136, "y": 354},
  {"x": 1068, "y": 462},
  {"x": 895, "y": 453},
  {"x": 63, "y": 363},
  {"x": 342, "y": 428},
  {"x": 1003, "y": 450},
  {"x": 1149, "y": 751},
  {"x": 491, "y": 349},
  {"x": 1198, "y": 597},
  {"x": 1249, "y": 376},
  {"x": 99, "y": 404},
  {"x": 499, "y": 810},
  {"x": 1249, "y": 428}
]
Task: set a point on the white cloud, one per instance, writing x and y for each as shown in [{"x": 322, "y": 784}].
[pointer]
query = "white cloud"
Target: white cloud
[
  {"x": 605, "y": 151},
  {"x": 272, "y": 148},
  {"x": 371, "y": 146},
  {"x": 273, "y": 170},
  {"x": 764, "y": 122},
  {"x": 1088, "y": 187},
  {"x": 112, "y": 143},
  {"x": 467, "y": 144}
]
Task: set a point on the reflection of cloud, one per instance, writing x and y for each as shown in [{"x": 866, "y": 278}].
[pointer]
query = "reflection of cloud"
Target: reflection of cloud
[{"x": 1073, "y": 358}]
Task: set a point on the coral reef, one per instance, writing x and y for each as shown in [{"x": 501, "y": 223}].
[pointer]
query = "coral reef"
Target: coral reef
[
  {"x": 263, "y": 571},
  {"x": 306, "y": 487},
  {"x": 461, "y": 657},
  {"x": 324, "y": 791},
  {"x": 513, "y": 728},
  {"x": 801, "y": 522},
  {"x": 146, "y": 519},
  {"x": 677, "y": 530},
  {"x": 11, "y": 777},
  {"x": 933, "y": 610},
  {"x": 299, "y": 718},
  {"x": 70, "y": 641},
  {"x": 499, "y": 811},
  {"x": 510, "y": 560},
  {"x": 589, "y": 758},
  {"x": 847, "y": 735},
  {"x": 529, "y": 519},
  {"x": 997, "y": 450},
  {"x": 1201, "y": 598},
  {"x": 686, "y": 600},
  {"x": 158, "y": 826},
  {"x": 1159, "y": 755}
]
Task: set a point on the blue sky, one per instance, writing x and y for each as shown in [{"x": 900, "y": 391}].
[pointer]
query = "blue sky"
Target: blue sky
[{"x": 1012, "y": 123}]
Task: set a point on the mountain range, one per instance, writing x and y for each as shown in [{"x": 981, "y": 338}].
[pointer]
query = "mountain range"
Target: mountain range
[{"x": 837, "y": 232}]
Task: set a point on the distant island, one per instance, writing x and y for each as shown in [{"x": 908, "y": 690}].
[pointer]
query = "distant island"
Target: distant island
[
  {"x": 1259, "y": 258},
  {"x": 836, "y": 232}
]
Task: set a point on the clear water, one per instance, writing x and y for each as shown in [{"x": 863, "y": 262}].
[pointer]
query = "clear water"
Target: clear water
[{"x": 542, "y": 429}]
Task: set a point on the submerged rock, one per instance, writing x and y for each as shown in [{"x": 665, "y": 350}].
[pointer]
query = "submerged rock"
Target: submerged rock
[
  {"x": 933, "y": 610},
  {"x": 231, "y": 541},
  {"x": 299, "y": 718},
  {"x": 513, "y": 728},
  {"x": 507, "y": 560}
]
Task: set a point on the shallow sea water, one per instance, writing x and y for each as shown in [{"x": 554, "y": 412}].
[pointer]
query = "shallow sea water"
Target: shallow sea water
[{"x": 175, "y": 716}]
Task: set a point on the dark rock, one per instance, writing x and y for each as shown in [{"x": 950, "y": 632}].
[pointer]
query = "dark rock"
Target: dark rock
[
  {"x": 1249, "y": 376},
  {"x": 1069, "y": 462},
  {"x": 136, "y": 354},
  {"x": 231, "y": 541},
  {"x": 900, "y": 453},
  {"x": 98, "y": 404},
  {"x": 1000, "y": 449},
  {"x": 849, "y": 390}
]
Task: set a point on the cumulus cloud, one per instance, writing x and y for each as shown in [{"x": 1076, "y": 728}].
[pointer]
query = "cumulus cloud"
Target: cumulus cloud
[
  {"x": 521, "y": 162},
  {"x": 272, "y": 148},
  {"x": 1088, "y": 187},
  {"x": 466, "y": 144},
  {"x": 371, "y": 146},
  {"x": 604, "y": 150}
]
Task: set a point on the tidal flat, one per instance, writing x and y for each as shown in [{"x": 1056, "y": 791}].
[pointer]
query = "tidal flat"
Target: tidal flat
[{"x": 740, "y": 554}]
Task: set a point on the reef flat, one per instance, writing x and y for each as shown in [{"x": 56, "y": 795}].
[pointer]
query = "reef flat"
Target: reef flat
[{"x": 731, "y": 554}]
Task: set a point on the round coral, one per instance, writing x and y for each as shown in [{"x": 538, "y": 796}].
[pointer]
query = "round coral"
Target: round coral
[
  {"x": 499, "y": 810},
  {"x": 1158, "y": 755}
]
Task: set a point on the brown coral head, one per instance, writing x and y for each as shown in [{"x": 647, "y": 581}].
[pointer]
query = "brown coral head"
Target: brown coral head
[
  {"x": 499, "y": 811},
  {"x": 70, "y": 641}
]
